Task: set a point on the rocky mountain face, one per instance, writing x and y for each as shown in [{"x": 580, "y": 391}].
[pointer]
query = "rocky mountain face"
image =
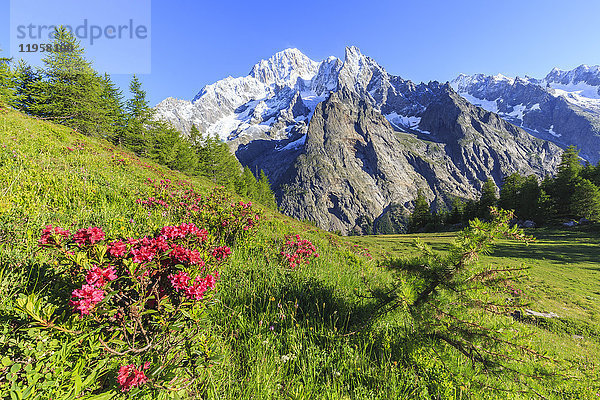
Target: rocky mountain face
[
  {"x": 345, "y": 142},
  {"x": 564, "y": 107}
]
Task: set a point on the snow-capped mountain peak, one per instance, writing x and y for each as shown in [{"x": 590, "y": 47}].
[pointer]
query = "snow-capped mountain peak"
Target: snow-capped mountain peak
[{"x": 284, "y": 68}]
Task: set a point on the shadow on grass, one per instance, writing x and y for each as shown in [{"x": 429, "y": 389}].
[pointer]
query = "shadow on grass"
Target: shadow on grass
[
  {"x": 315, "y": 302},
  {"x": 567, "y": 253}
]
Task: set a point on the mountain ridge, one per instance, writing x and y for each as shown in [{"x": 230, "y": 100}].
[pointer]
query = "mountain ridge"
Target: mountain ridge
[{"x": 345, "y": 141}]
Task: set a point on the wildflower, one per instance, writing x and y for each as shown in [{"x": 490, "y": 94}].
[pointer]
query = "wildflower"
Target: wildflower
[
  {"x": 88, "y": 296},
  {"x": 87, "y": 236},
  {"x": 197, "y": 290},
  {"x": 53, "y": 235},
  {"x": 100, "y": 276},
  {"x": 117, "y": 248},
  {"x": 220, "y": 253},
  {"x": 180, "y": 280},
  {"x": 143, "y": 253},
  {"x": 130, "y": 376}
]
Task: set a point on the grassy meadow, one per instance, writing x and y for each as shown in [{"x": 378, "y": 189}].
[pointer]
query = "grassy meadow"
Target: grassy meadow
[{"x": 271, "y": 332}]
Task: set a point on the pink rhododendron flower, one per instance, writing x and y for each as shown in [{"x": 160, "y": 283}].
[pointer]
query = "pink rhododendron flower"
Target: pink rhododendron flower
[
  {"x": 100, "y": 276},
  {"x": 142, "y": 254},
  {"x": 87, "y": 236},
  {"x": 197, "y": 290},
  {"x": 184, "y": 255},
  {"x": 117, "y": 248},
  {"x": 193, "y": 290},
  {"x": 53, "y": 235},
  {"x": 130, "y": 376},
  {"x": 88, "y": 296},
  {"x": 221, "y": 252},
  {"x": 180, "y": 280}
]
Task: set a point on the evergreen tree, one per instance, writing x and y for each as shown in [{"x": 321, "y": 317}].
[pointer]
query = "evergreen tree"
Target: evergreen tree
[
  {"x": 563, "y": 185},
  {"x": 246, "y": 184},
  {"x": 471, "y": 210},
  {"x": 570, "y": 165},
  {"x": 421, "y": 215},
  {"x": 27, "y": 81},
  {"x": 71, "y": 91},
  {"x": 113, "y": 121},
  {"x": 138, "y": 108},
  {"x": 528, "y": 203},
  {"x": 510, "y": 192},
  {"x": 265, "y": 194},
  {"x": 586, "y": 200},
  {"x": 219, "y": 164},
  {"x": 457, "y": 211},
  {"x": 138, "y": 118},
  {"x": 6, "y": 81},
  {"x": 195, "y": 136},
  {"x": 488, "y": 199}
]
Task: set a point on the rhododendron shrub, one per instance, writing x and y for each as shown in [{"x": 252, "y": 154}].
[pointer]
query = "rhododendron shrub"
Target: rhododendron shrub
[
  {"x": 216, "y": 212},
  {"x": 141, "y": 296},
  {"x": 297, "y": 251}
]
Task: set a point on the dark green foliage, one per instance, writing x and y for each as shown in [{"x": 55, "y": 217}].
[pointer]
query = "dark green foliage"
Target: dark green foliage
[
  {"x": 393, "y": 221},
  {"x": 114, "y": 121},
  {"x": 245, "y": 184},
  {"x": 71, "y": 91},
  {"x": 421, "y": 215},
  {"x": 488, "y": 198},
  {"x": 585, "y": 200},
  {"x": 6, "y": 81},
  {"x": 522, "y": 194},
  {"x": 364, "y": 226},
  {"x": 457, "y": 211},
  {"x": 265, "y": 194},
  {"x": 217, "y": 162},
  {"x": 563, "y": 185},
  {"x": 27, "y": 86}
]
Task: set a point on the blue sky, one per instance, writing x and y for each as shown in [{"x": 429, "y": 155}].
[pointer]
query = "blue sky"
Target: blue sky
[{"x": 194, "y": 43}]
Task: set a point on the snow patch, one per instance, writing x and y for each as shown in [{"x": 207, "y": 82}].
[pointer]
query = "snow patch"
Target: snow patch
[
  {"x": 551, "y": 131},
  {"x": 488, "y": 105},
  {"x": 517, "y": 112},
  {"x": 296, "y": 144},
  {"x": 402, "y": 121},
  {"x": 580, "y": 88}
]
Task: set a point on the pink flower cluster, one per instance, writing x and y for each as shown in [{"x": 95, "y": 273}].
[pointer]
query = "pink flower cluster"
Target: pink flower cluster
[
  {"x": 221, "y": 252},
  {"x": 183, "y": 230},
  {"x": 130, "y": 376},
  {"x": 92, "y": 293},
  {"x": 88, "y": 236},
  {"x": 100, "y": 276},
  {"x": 184, "y": 255},
  {"x": 117, "y": 248},
  {"x": 298, "y": 252},
  {"x": 148, "y": 249},
  {"x": 193, "y": 289},
  {"x": 153, "y": 202},
  {"x": 87, "y": 298},
  {"x": 53, "y": 236}
]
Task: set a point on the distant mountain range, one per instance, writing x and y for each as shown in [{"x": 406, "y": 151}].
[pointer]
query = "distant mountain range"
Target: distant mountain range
[
  {"x": 344, "y": 142},
  {"x": 564, "y": 107}
]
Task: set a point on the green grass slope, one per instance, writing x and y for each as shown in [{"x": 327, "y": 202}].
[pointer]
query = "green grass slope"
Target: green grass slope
[{"x": 273, "y": 332}]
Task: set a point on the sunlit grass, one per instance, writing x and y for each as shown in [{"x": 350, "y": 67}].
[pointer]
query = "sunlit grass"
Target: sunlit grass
[{"x": 278, "y": 333}]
